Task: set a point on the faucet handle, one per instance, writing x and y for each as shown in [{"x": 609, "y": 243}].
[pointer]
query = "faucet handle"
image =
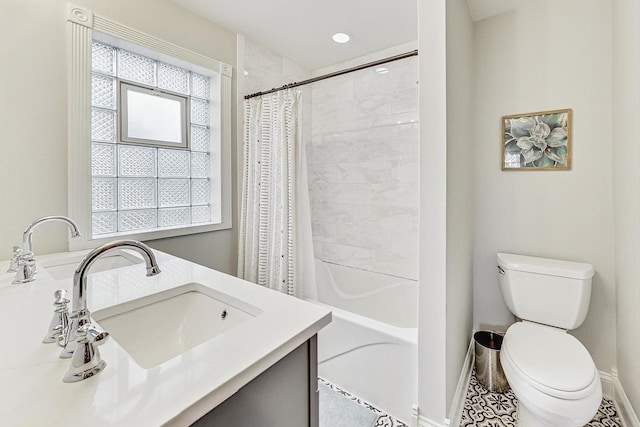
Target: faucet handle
[
  {"x": 13, "y": 264},
  {"x": 61, "y": 297},
  {"x": 60, "y": 321},
  {"x": 96, "y": 335},
  {"x": 86, "y": 361},
  {"x": 26, "y": 270}
]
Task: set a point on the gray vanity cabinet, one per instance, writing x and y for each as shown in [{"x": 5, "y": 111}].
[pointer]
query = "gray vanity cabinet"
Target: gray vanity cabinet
[{"x": 285, "y": 395}]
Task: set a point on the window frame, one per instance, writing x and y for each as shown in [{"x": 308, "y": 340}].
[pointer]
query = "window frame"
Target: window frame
[
  {"x": 123, "y": 89},
  {"x": 83, "y": 27}
]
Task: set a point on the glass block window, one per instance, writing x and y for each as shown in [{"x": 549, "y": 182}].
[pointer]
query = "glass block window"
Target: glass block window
[{"x": 138, "y": 188}]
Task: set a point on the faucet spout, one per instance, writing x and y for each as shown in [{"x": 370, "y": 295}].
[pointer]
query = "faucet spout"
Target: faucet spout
[
  {"x": 81, "y": 315},
  {"x": 27, "y": 243},
  {"x": 80, "y": 274}
]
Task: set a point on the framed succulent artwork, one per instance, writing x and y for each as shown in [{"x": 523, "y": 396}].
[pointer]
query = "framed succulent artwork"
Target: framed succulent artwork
[{"x": 537, "y": 141}]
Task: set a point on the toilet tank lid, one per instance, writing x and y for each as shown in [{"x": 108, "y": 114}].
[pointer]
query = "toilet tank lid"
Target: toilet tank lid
[{"x": 551, "y": 267}]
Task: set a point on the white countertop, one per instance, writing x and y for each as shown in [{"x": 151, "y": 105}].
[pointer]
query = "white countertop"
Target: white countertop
[{"x": 177, "y": 392}]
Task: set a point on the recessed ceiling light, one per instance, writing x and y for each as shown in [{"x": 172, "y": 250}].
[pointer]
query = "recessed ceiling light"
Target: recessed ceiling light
[
  {"x": 382, "y": 70},
  {"x": 341, "y": 37}
]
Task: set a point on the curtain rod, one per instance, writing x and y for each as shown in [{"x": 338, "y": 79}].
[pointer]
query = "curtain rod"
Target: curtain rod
[{"x": 336, "y": 73}]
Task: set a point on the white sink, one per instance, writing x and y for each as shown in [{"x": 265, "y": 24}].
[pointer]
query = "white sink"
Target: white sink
[
  {"x": 64, "y": 267},
  {"x": 162, "y": 326}
]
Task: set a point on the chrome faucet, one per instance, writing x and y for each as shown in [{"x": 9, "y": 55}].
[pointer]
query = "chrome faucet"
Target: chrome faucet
[
  {"x": 23, "y": 262},
  {"x": 82, "y": 338},
  {"x": 27, "y": 242}
]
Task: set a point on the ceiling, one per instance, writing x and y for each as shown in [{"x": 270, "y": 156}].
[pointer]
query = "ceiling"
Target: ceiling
[{"x": 301, "y": 30}]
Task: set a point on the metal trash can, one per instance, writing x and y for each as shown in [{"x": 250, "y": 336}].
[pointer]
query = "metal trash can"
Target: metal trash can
[{"x": 489, "y": 371}]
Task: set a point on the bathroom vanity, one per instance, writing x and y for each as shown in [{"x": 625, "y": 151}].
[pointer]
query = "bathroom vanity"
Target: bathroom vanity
[{"x": 254, "y": 363}]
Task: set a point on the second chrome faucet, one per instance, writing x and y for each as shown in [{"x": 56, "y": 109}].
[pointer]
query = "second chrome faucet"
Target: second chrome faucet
[{"x": 23, "y": 262}]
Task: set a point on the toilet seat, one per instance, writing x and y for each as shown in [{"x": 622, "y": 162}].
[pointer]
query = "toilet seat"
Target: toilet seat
[{"x": 550, "y": 360}]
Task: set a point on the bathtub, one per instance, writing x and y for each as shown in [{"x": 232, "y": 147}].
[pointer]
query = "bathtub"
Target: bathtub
[{"x": 370, "y": 348}]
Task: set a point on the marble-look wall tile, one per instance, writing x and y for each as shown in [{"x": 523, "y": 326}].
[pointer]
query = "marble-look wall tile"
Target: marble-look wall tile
[
  {"x": 364, "y": 172},
  {"x": 363, "y": 237},
  {"x": 395, "y": 194},
  {"x": 324, "y": 232},
  {"x": 404, "y": 101},
  {"x": 334, "y": 213},
  {"x": 364, "y": 169}
]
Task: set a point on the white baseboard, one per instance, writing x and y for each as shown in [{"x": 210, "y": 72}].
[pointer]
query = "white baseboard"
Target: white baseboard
[
  {"x": 627, "y": 415},
  {"x": 457, "y": 405},
  {"x": 425, "y": 422},
  {"x": 607, "y": 384}
]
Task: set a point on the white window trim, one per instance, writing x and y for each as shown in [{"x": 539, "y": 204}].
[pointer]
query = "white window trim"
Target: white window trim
[{"x": 81, "y": 23}]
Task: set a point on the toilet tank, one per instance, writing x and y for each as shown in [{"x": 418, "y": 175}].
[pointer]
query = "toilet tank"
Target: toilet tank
[{"x": 547, "y": 291}]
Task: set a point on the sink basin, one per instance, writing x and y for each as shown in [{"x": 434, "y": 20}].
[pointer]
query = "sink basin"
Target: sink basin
[
  {"x": 63, "y": 268},
  {"x": 159, "y": 327}
]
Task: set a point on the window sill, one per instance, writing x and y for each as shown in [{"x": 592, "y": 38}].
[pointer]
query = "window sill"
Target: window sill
[{"x": 90, "y": 243}]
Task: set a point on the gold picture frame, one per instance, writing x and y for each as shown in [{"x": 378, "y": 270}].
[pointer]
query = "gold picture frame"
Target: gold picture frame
[{"x": 537, "y": 141}]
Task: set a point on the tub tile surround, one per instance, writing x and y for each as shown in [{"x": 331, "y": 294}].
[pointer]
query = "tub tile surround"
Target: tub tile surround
[
  {"x": 487, "y": 409},
  {"x": 363, "y": 171}
]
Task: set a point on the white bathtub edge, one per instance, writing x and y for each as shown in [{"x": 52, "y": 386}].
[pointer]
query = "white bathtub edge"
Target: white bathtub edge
[{"x": 409, "y": 335}]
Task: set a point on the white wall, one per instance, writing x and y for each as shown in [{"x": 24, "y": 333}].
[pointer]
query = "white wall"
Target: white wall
[
  {"x": 432, "y": 259},
  {"x": 33, "y": 114},
  {"x": 460, "y": 146},
  {"x": 626, "y": 180},
  {"x": 547, "y": 55}
]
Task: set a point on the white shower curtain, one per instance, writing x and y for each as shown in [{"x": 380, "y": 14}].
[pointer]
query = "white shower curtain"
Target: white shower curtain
[{"x": 275, "y": 247}]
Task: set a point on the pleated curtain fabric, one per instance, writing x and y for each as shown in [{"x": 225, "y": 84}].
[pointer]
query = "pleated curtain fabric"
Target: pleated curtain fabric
[{"x": 275, "y": 224}]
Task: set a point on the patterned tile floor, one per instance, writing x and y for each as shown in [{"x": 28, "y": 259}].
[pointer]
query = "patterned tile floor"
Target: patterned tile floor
[
  {"x": 486, "y": 409},
  {"x": 382, "y": 419}
]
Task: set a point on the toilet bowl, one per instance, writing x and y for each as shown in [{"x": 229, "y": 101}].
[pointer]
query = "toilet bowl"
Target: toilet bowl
[{"x": 551, "y": 374}]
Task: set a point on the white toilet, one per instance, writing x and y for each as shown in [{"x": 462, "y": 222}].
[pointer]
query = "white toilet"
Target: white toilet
[{"x": 551, "y": 372}]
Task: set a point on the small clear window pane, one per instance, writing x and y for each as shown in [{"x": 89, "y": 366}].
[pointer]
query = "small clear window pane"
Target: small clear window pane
[{"x": 152, "y": 117}]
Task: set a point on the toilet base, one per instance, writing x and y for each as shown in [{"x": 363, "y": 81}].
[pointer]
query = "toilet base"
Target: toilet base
[{"x": 524, "y": 418}]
